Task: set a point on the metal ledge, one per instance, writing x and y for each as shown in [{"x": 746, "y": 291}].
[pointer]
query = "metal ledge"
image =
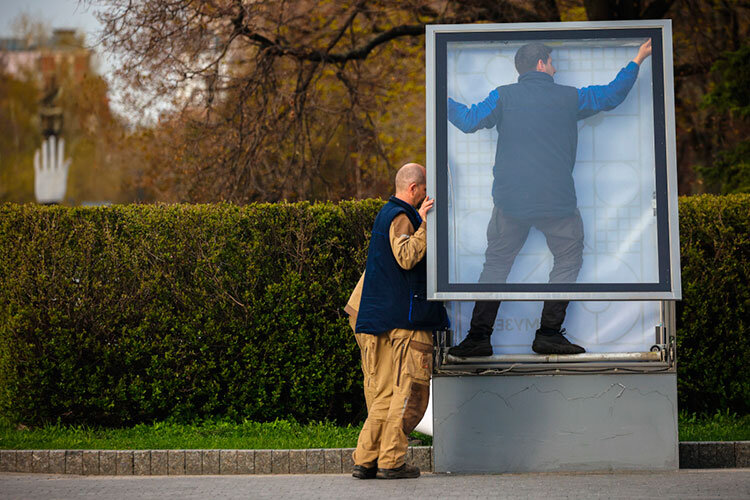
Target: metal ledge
[
  {"x": 592, "y": 367},
  {"x": 555, "y": 358}
]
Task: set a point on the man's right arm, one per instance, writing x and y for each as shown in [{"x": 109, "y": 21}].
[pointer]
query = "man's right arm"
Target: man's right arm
[
  {"x": 471, "y": 119},
  {"x": 595, "y": 98}
]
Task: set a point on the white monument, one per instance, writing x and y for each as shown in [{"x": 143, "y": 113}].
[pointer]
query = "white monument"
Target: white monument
[{"x": 50, "y": 171}]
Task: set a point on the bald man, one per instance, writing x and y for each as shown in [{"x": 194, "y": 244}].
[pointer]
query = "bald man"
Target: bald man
[{"x": 393, "y": 324}]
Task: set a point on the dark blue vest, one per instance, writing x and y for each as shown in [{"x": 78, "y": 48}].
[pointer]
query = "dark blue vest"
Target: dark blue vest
[
  {"x": 393, "y": 297},
  {"x": 536, "y": 147}
]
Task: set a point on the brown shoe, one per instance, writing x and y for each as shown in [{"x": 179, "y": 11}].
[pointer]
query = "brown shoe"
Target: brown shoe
[
  {"x": 406, "y": 471},
  {"x": 361, "y": 472}
]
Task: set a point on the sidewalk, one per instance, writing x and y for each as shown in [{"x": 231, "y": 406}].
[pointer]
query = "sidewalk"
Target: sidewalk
[
  {"x": 693, "y": 455},
  {"x": 724, "y": 483}
]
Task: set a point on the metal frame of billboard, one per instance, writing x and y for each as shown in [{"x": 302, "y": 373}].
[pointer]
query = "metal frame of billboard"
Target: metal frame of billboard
[{"x": 438, "y": 285}]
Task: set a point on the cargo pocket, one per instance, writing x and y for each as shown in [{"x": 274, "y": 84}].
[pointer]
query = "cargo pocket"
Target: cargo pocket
[
  {"x": 418, "y": 371},
  {"x": 367, "y": 353},
  {"x": 419, "y": 361},
  {"x": 416, "y": 404}
]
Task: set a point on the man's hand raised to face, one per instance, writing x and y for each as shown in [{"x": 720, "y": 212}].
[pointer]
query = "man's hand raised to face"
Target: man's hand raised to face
[
  {"x": 643, "y": 52},
  {"x": 426, "y": 206}
]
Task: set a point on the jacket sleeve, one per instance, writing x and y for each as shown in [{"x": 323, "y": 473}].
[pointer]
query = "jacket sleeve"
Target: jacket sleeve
[
  {"x": 408, "y": 246},
  {"x": 595, "y": 98},
  {"x": 352, "y": 305},
  {"x": 471, "y": 119}
]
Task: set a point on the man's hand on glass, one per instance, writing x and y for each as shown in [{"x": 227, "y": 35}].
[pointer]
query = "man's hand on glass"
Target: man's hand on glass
[
  {"x": 426, "y": 206},
  {"x": 643, "y": 52}
]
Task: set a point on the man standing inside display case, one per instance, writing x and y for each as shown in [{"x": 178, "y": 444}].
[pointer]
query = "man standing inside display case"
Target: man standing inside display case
[{"x": 536, "y": 121}]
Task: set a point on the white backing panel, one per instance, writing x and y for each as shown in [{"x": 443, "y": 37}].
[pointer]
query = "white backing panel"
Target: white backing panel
[
  {"x": 598, "y": 326},
  {"x": 613, "y": 174}
]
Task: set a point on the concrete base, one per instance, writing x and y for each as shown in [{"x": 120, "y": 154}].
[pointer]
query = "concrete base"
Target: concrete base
[{"x": 495, "y": 424}]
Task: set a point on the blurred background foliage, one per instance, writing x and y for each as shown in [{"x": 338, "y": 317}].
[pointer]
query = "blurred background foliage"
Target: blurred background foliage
[{"x": 321, "y": 99}]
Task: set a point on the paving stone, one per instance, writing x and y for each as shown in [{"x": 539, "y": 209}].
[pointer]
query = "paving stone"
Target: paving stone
[
  {"x": 124, "y": 463},
  {"x": 280, "y": 462},
  {"x": 347, "y": 460},
  {"x": 7, "y": 460},
  {"x": 227, "y": 461},
  {"x": 263, "y": 461},
  {"x": 107, "y": 462},
  {"x": 57, "y": 462},
  {"x": 142, "y": 462},
  {"x": 332, "y": 461},
  {"x": 176, "y": 462},
  {"x": 74, "y": 462},
  {"x": 40, "y": 461},
  {"x": 315, "y": 461},
  {"x": 159, "y": 462},
  {"x": 211, "y": 462},
  {"x": 245, "y": 461},
  {"x": 23, "y": 461},
  {"x": 421, "y": 458},
  {"x": 90, "y": 462},
  {"x": 409, "y": 455},
  {"x": 716, "y": 455},
  {"x": 689, "y": 458},
  {"x": 742, "y": 453},
  {"x": 297, "y": 461},
  {"x": 193, "y": 462}
]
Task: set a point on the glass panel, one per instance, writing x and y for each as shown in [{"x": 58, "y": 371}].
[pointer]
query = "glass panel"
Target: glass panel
[
  {"x": 600, "y": 220},
  {"x": 625, "y": 326}
]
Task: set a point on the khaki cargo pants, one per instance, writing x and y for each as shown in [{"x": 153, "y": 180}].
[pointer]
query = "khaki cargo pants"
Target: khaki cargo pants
[{"x": 397, "y": 366}]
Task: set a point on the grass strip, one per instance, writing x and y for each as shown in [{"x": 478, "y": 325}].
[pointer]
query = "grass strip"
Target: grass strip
[
  {"x": 721, "y": 426},
  {"x": 207, "y": 434},
  {"x": 280, "y": 434}
]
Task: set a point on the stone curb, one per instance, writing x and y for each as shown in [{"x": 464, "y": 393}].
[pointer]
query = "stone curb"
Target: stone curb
[
  {"x": 693, "y": 455},
  {"x": 714, "y": 454},
  {"x": 192, "y": 462}
]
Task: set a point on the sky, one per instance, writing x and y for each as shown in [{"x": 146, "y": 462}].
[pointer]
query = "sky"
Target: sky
[
  {"x": 60, "y": 14},
  {"x": 56, "y": 13}
]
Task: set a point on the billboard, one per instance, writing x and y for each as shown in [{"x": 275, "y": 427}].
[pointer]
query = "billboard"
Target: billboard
[{"x": 566, "y": 194}]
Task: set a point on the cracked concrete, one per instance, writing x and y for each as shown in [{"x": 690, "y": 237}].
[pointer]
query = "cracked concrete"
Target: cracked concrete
[{"x": 554, "y": 423}]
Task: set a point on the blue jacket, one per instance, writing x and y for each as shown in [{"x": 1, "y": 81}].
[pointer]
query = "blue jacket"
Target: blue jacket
[
  {"x": 393, "y": 297},
  {"x": 538, "y": 137}
]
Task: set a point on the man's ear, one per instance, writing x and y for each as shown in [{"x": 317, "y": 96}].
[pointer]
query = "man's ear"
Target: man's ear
[{"x": 540, "y": 65}]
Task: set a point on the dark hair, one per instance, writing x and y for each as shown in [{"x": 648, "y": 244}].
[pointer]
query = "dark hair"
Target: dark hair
[{"x": 528, "y": 55}]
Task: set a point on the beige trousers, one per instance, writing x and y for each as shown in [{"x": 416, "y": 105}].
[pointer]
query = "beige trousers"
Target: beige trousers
[{"x": 397, "y": 366}]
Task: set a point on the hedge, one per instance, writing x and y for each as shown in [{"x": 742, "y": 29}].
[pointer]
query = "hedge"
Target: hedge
[
  {"x": 126, "y": 314},
  {"x": 713, "y": 318}
]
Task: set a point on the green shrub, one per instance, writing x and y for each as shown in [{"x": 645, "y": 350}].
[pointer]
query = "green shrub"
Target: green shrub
[
  {"x": 128, "y": 314},
  {"x": 119, "y": 315},
  {"x": 713, "y": 318}
]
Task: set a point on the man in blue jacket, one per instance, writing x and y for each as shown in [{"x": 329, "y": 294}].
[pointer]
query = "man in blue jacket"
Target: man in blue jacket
[{"x": 536, "y": 120}]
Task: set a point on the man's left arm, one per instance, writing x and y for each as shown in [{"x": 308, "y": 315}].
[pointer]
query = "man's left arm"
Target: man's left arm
[
  {"x": 408, "y": 246},
  {"x": 596, "y": 98}
]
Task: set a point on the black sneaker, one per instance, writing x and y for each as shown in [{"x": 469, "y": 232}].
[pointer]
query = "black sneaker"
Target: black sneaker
[
  {"x": 404, "y": 472},
  {"x": 471, "y": 347},
  {"x": 361, "y": 472},
  {"x": 555, "y": 343}
]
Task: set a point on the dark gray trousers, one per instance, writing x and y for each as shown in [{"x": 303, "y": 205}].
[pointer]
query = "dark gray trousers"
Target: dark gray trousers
[{"x": 505, "y": 238}]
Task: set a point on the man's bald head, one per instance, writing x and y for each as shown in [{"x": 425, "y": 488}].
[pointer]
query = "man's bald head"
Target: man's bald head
[
  {"x": 408, "y": 174},
  {"x": 411, "y": 184}
]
